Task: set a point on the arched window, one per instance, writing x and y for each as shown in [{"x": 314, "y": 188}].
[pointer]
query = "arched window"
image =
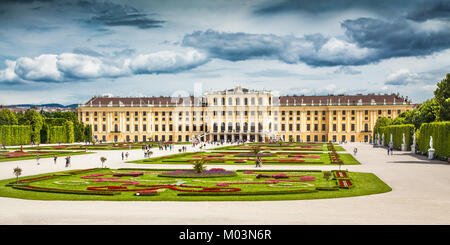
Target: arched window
[
  {"x": 238, "y": 101},
  {"x": 260, "y": 101},
  {"x": 215, "y": 101},
  {"x": 253, "y": 101},
  {"x": 223, "y": 101},
  {"x": 230, "y": 101},
  {"x": 245, "y": 101}
]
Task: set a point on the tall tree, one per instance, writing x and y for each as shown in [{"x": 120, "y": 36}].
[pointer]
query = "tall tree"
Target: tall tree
[
  {"x": 8, "y": 117},
  {"x": 442, "y": 96},
  {"x": 34, "y": 119}
]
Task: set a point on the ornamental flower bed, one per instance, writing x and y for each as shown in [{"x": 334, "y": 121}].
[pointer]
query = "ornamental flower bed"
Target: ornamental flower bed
[
  {"x": 340, "y": 174},
  {"x": 344, "y": 183},
  {"x": 16, "y": 154},
  {"x": 192, "y": 173}
]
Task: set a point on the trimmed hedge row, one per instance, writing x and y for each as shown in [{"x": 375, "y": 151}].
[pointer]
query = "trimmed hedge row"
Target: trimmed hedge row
[
  {"x": 57, "y": 130},
  {"x": 15, "y": 134},
  {"x": 440, "y": 131},
  {"x": 397, "y": 132}
]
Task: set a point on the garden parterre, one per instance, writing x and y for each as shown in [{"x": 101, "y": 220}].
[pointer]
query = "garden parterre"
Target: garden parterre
[{"x": 161, "y": 185}]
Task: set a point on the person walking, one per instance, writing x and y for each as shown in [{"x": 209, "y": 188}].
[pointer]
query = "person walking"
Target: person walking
[
  {"x": 126, "y": 155},
  {"x": 54, "y": 158},
  {"x": 37, "y": 158},
  {"x": 392, "y": 150},
  {"x": 355, "y": 151},
  {"x": 67, "y": 162},
  {"x": 123, "y": 156},
  {"x": 388, "y": 150}
]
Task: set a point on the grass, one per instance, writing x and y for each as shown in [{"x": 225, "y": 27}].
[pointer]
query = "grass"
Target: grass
[
  {"x": 44, "y": 154},
  {"x": 364, "y": 184}
]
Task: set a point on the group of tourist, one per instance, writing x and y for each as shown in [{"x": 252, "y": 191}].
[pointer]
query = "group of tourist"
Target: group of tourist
[{"x": 124, "y": 155}]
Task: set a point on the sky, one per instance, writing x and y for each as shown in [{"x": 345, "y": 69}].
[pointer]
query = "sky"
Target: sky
[{"x": 67, "y": 51}]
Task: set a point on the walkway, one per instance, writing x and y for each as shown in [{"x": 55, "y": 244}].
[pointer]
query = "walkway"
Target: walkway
[{"x": 421, "y": 195}]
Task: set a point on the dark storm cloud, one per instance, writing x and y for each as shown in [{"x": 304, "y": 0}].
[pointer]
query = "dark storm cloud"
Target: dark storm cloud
[
  {"x": 399, "y": 38},
  {"x": 112, "y": 14},
  {"x": 314, "y": 50},
  {"x": 367, "y": 41},
  {"x": 431, "y": 10},
  {"x": 322, "y": 6}
]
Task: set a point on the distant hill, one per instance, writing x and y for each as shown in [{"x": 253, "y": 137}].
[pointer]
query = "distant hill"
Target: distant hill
[{"x": 46, "y": 105}]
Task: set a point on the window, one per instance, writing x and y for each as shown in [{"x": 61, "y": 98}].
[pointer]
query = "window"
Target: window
[
  {"x": 156, "y": 127},
  {"x": 334, "y": 113},
  {"x": 283, "y": 127},
  {"x": 343, "y": 113},
  {"x": 308, "y": 127},
  {"x": 187, "y": 127},
  {"x": 323, "y": 127},
  {"x": 379, "y": 112},
  {"x": 316, "y": 127},
  {"x": 136, "y": 127},
  {"x": 366, "y": 112},
  {"x": 104, "y": 127},
  {"x": 245, "y": 101},
  {"x": 316, "y": 113},
  {"x": 230, "y": 101},
  {"x": 95, "y": 113},
  {"x": 343, "y": 127},
  {"x": 308, "y": 113},
  {"x": 334, "y": 127},
  {"x": 128, "y": 113},
  {"x": 87, "y": 113},
  {"x": 95, "y": 127},
  {"x": 128, "y": 127},
  {"x": 352, "y": 127},
  {"x": 144, "y": 127},
  {"x": 253, "y": 101},
  {"x": 298, "y": 126},
  {"x": 260, "y": 101},
  {"x": 135, "y": 113},
  {"x": 389, "y": 112},
  {"x": 290, "y": 127}
]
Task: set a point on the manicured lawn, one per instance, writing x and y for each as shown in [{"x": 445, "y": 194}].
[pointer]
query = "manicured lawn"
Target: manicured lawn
[
  {"x": 250, "y": 185},
  {"x": 27, "y": 155},
  {"x": 241, "y": 158}
]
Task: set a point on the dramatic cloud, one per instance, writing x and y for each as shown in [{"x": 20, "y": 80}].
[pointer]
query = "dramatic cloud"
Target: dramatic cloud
[
  {"x": 167, "y": 62},
  {"x": 314, "y": 50},
  {"x": 322, "y": 6},
  {"x": 399, "y": 38},
  {"x": 112, "y": 14},
  {"x": 431, "y": 10},
  {"x": 67, "y": 67}
]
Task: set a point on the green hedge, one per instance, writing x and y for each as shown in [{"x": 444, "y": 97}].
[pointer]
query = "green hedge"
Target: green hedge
[
  {"x": 15, "y": 134},
  {"x": 440, "y": 131},
  {"x": 397, "y": 132},
  {"x": 58, "y": 134}
]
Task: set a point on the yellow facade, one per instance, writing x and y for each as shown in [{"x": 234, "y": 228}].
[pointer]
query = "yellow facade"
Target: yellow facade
[{"x": 238, "y": 114}]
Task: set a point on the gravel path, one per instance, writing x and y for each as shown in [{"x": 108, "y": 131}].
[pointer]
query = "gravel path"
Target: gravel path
[{"x": 421, "y": 195}]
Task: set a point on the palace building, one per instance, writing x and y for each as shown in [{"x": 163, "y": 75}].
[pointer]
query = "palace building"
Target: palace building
[{"x": 239, "y": 114}]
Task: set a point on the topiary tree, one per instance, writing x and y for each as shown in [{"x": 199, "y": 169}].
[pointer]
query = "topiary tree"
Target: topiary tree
[
  {"x": 199, "y": 165},
  {"x": 17, "y": 173},
  {"x": 326, "y": 176},
  {"x": 103, "y": 160}
]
